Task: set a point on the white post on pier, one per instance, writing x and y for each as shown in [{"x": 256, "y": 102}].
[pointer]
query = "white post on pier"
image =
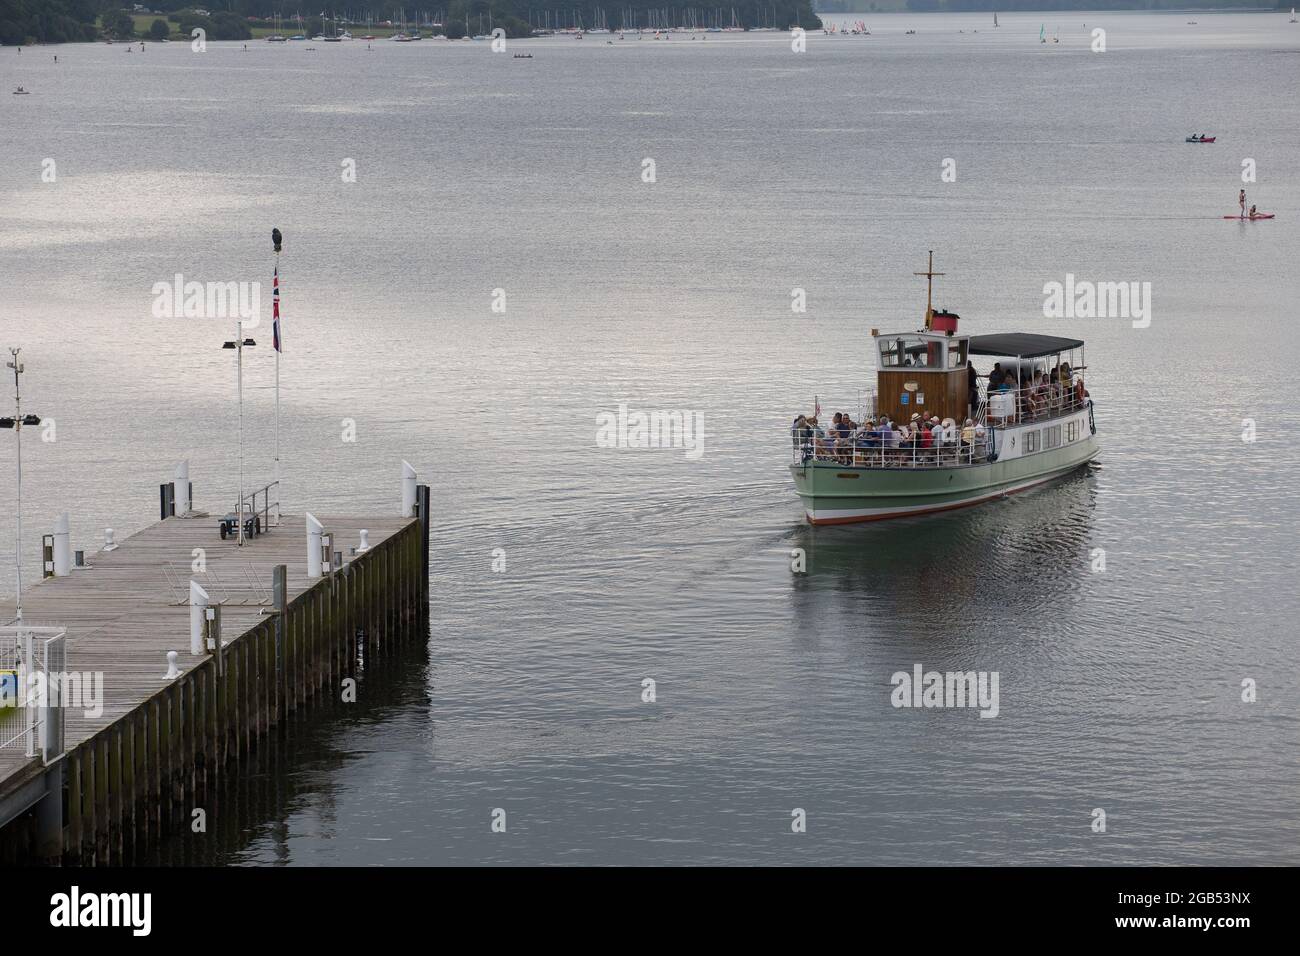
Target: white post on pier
[
  {"x": 182, "y": 496},
  {"x": 199, "y": 602},
  {"x": 408, "y": 490},
  {"x": 62, "y": 547},
  {"x": 314, "y": 531}
]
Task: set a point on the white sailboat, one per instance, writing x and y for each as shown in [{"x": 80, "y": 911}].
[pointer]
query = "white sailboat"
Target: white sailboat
[
  {"x": 995, "y": 19},
  {"x": 1293, "y": 19}
]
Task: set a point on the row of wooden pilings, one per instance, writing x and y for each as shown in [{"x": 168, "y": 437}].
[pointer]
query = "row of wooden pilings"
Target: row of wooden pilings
[{"x": 148, "y": 773}]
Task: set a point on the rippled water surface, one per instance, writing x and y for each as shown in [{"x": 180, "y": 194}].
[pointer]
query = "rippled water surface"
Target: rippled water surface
[{"x": 475, "y": 172}]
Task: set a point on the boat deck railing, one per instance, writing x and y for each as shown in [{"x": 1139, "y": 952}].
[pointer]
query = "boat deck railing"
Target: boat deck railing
[
  {"x": 850, "y": 455},
  {"x": 1032, "y": 403},
  {"x": 962, "y": 444}
]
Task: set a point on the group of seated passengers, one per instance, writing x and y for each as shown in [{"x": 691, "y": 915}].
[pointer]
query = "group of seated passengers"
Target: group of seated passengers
[
  {"x": 1039, "y": 393},
  {"x": 884, "y": 441}
]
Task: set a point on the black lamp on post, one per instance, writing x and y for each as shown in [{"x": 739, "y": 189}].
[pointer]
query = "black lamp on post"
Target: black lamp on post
[{"x": 239, "y": 344}]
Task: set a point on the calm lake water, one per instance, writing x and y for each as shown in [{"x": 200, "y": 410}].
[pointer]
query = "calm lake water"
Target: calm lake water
[{"x": 476, "y": 172}]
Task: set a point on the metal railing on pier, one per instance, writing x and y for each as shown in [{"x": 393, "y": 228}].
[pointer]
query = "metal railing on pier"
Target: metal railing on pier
[{"x": 32, "y": 665}]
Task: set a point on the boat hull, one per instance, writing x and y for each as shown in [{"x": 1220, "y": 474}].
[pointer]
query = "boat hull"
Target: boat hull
[{"x": 839, "y": 494}]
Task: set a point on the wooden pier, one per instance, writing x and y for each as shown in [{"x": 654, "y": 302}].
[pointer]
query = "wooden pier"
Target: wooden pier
[{"x": 142, "y": 767}]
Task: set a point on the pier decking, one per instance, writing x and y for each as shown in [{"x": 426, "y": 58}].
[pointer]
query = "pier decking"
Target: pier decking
[{"x": 132, "y": 772}]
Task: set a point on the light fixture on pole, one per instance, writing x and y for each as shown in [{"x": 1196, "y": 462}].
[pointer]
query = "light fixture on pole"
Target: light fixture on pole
[
  {"x": 17, "y": 423},
  {"x": 239, "y": 344}
]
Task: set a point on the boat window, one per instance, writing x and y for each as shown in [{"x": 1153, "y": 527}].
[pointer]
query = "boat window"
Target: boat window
[
  {"x": 1031, "y": 441},
  {"x": 907, "y": 351},
  {"x": 957, "y": 353}
]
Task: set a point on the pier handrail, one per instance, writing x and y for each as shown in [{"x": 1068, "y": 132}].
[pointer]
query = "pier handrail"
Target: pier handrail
[
  {"x": 33, "y": 662},
  {"x": 248, "y": 504}
]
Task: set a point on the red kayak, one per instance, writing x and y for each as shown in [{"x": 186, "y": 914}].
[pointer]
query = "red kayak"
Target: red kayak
[
  {"x": 1258, "y": 215},
  {"x": 1208, "y": 139}
]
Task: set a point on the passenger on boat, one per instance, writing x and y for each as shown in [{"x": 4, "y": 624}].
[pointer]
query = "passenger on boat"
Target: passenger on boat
[
  {"x": 888, "y": 437},
  {"x": 972, "y": 387},
  {"x": 801, "y": 434},
  {"x": 1038, "y": 394},
  {"x": 846, "y": 425},
  {"x": 935, "y": 431},
  {"x": 844, "y": 442}
]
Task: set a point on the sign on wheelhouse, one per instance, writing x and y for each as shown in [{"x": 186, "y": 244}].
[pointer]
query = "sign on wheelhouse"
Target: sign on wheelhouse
[{"x": 943, "y": 434}]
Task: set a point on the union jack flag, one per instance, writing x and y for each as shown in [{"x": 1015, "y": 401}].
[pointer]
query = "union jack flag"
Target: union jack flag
[{"x": 275, "y": 311}]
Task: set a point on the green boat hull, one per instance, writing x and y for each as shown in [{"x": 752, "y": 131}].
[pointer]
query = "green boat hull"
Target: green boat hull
[{"x": 840, "y": 494}]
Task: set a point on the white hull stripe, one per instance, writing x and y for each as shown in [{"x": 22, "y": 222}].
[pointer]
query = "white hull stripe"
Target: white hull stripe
[{"x": 840, "y": 514}]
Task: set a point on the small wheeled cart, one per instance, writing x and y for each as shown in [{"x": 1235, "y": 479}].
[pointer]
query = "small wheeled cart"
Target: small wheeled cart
[{"x": 229, "y": 525}]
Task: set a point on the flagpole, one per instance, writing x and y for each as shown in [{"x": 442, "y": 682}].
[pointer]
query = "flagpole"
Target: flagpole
[{"x": 279, "y": 489}]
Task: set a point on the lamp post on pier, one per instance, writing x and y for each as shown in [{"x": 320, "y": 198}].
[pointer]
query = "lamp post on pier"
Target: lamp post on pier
[
  {"x": 17, "y": 423},
  {"x": 239, "y": 343}
]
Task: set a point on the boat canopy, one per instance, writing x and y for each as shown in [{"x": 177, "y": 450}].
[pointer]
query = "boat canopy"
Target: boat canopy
[{"x": 1022, "y": 344}]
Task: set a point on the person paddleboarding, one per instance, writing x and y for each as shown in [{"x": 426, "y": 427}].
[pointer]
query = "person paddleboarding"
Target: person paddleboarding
[{"x": 1241, "y": 201}]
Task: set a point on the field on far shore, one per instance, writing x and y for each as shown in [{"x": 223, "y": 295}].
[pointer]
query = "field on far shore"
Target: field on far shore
[{"x": 260, "y": 30}]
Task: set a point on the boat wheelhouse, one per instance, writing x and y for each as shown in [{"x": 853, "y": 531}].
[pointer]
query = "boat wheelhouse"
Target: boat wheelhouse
[{"x": 940, "y": 433}]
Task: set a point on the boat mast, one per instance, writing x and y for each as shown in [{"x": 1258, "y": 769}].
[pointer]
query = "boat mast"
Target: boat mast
[{"x": 929, "y": 285}]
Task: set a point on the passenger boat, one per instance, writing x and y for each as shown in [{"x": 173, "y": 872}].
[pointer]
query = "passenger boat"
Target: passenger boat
[{"x": 995, "y": 443}]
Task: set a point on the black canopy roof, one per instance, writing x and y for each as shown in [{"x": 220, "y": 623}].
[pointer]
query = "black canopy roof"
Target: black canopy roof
[{"x": 1024, "y": 344}]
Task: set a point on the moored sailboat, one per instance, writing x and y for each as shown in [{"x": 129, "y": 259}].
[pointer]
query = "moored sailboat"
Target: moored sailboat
[{"x": 940, "y": 438}]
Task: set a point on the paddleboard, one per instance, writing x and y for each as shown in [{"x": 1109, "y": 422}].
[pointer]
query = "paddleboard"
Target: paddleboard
[{"x": 1258, "y": 215}]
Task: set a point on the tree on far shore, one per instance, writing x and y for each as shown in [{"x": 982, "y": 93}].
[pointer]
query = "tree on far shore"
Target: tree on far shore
[
  {"x": 158, "y": 30},
  {"x": 120, "y": 25}
]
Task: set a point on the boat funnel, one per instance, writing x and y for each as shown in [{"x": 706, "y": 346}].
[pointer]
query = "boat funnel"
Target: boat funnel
[{"x": 944, "y": 321}]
